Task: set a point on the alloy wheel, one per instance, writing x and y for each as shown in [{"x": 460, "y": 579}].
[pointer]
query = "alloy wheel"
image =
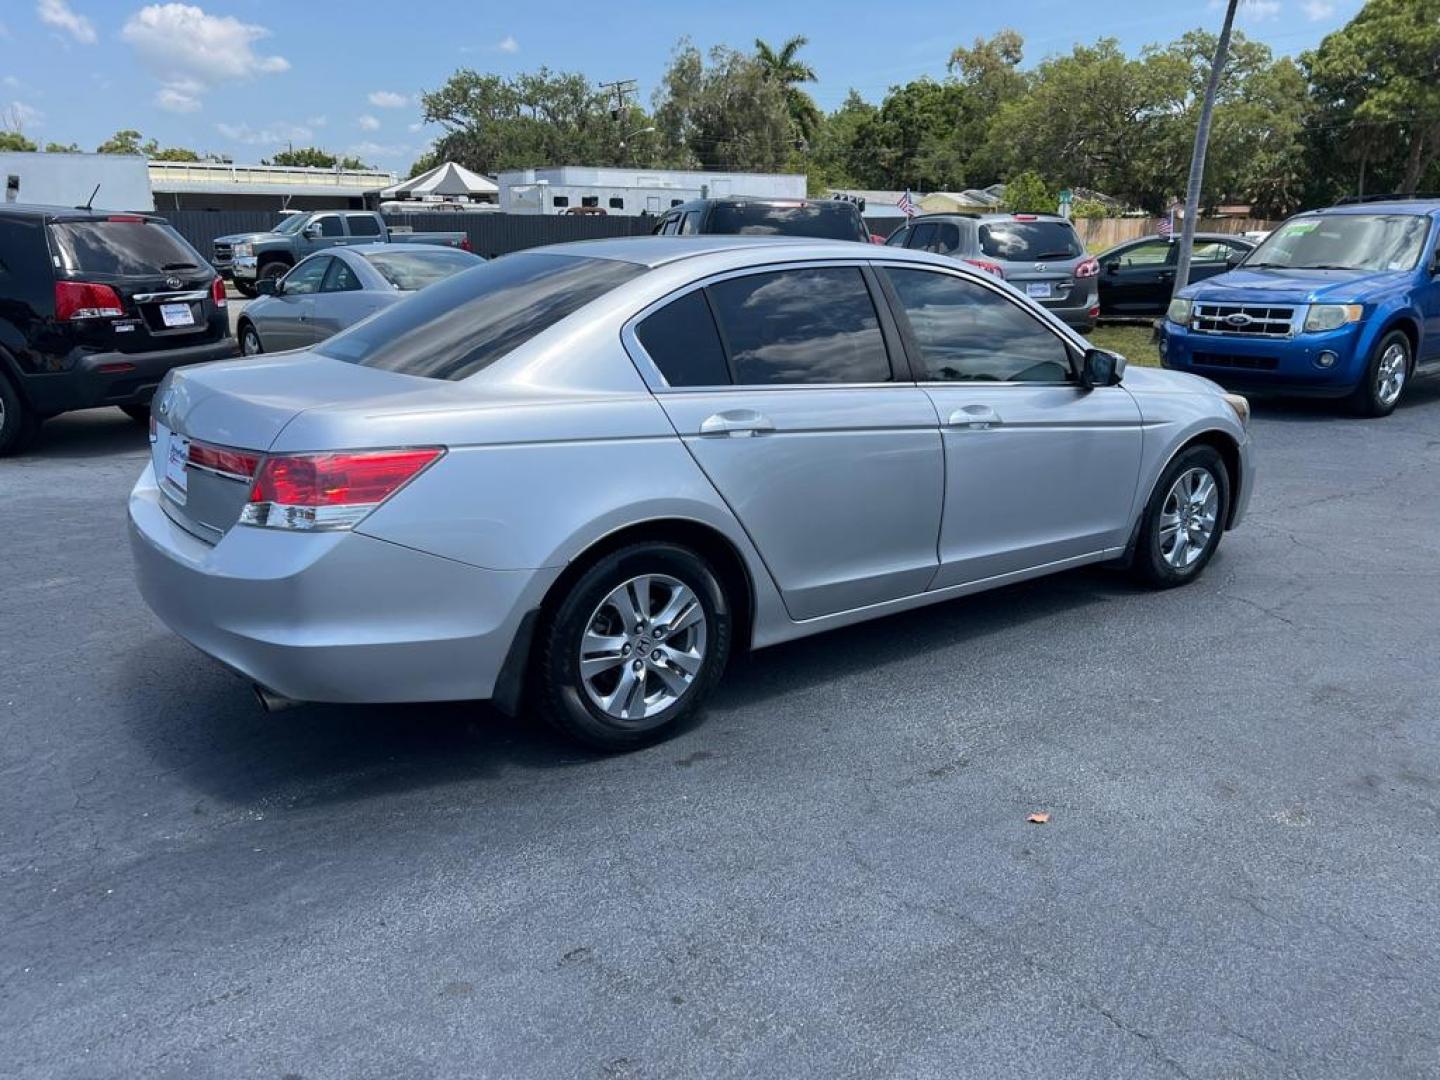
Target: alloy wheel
[
  {"x": 643, "y": 647},
  {"x": 250, "y": 342},
  {"x": 1390, "y": 374},
  {"x": 1188, "y": 517}
]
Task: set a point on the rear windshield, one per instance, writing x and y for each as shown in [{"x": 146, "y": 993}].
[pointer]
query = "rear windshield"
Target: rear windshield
[
  {"x": 122, "y": 248},
  {"x": 412, "y": 270},
  {"x": 812, "y": 220},
  {"x": 1029, "y": 241},
  {"x": 470, "y": 320}
]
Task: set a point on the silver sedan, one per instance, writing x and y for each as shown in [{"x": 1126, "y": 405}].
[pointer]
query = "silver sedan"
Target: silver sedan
[
  {"x": 334, "y": 289},
  {"x": 576, "y": 479}
]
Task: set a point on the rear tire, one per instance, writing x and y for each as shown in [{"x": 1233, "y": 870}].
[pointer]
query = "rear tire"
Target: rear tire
[
  {"x": 633, "y": 647},
  {"x": 18, "y": 423},
  {"x": 1183, "y": 520},
  {"x": 139, "y": 413},
  {"x": 1386, "y": 377}
]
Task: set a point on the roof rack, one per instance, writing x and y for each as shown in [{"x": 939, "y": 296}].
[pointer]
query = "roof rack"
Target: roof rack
[{"x": 1391, "y": 196}]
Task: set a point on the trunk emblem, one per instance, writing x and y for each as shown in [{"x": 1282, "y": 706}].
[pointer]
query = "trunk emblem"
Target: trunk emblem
[
  {"x": 163, "y": 405},
  {"x": 173, "y": 282}
]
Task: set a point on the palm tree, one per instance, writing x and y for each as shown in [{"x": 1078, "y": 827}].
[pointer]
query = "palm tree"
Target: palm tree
[{"x": 789, "y": 72}]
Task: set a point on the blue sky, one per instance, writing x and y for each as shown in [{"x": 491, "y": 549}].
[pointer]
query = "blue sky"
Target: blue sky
[{"x": 247, "y": 76}]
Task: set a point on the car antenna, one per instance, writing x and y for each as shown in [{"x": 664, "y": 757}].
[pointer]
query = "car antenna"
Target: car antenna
[{"x": 90, "y": 200}]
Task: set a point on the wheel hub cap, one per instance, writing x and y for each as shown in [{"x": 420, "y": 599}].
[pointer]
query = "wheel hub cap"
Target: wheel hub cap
[
  {"x": 643, "y": 647},
  {"x": 1188, "y": 518},
  {"x": 1390, "y": 374}
]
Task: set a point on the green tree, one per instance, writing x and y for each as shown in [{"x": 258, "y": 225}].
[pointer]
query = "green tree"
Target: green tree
[
  {"x": 62, "y": 148},
  {"x": 833, "y": 161},
  {"x": 311, "y": 156},
  {"x": 126, "y": 141},
  {"x": 723, "y": 111},
  {"x": 15, "y": 141},
  {"x": 1030, "y": 191},
  {"x": 989, "y": 72},
  {"x": 789, "y": 73},
  {"x": 174, "y": 153},
  {"x": 912, "y": 140},
  {"x": 1377, "y": 80}
]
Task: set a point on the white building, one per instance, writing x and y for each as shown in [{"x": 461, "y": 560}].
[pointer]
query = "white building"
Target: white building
[
  {"x": 118, "y": 181},
  {"x": 210, "y": 185},
  {"x": 632, "y": 192}
]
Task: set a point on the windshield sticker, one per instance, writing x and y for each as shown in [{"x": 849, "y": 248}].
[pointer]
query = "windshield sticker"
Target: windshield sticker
[{"x": 1300, "y": 228}]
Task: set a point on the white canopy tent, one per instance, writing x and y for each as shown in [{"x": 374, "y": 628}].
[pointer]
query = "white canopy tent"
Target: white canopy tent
[{"x": 444, "y": 181}]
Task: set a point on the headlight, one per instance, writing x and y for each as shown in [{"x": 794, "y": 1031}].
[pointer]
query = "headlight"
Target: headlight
[
  {"x": 241, "y": 251},
  {"x": 1332, "y": 316},
  {"x": 1241, "y": 405},
  {"x": 1179, "y": 311}
]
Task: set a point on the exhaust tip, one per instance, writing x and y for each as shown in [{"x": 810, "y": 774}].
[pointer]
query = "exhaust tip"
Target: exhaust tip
[{"x": 272, "y": 702}]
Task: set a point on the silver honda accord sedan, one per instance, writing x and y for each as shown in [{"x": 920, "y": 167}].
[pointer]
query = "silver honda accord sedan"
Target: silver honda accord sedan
[{"x": 575, "y": 479}]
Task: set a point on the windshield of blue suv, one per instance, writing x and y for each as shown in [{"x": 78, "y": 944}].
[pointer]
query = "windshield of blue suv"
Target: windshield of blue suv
[{"x": 1375, "y": 242}]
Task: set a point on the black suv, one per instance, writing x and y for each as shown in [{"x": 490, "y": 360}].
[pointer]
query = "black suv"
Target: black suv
[
  {"x": 820, "y": 219},
  {"x": 95, "y": 308}
]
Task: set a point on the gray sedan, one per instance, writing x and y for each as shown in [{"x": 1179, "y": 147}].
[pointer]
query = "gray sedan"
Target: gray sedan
[
  {"x": 575, "y": 479},
  {"x": 332, "y": 290}
]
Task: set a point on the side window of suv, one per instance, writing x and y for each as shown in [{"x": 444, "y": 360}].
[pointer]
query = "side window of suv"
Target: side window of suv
[
  {"x": 682, "y": 340},
  {"x": 690, "y": 223},
  {"x": 362, "y": 225},
  {"x": 330, "y": 225},
  {"x": 814, "y": 325},
  {"x": 967, "y": 332}
]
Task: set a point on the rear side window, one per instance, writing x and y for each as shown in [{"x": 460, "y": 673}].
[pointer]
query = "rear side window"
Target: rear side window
[
  {"x": 682, "y": 340},
  {"x": 968, "y": 333},
  {"x": 363, "y": 225},
  {"x": 839, "y": 221},
  {"x": 470, "y": 320},
  {"x": 1030, "y": 241},
  {"x": 121, "y": 247},
  {"x": 801, "y": 326},
  {"x": 412, "y": 270}
]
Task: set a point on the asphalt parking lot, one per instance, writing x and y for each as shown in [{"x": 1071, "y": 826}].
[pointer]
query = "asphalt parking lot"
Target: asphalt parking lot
[{"x": 832, "y": 876}]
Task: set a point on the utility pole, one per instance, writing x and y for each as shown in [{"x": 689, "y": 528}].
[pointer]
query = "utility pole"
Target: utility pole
[
  {"x": 1197, "y": 159},
  {"x": 620, "y": 89}
]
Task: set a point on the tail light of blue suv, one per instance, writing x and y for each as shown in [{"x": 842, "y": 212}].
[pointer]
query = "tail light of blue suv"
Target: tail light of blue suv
[{"x": 312, "y": 492}]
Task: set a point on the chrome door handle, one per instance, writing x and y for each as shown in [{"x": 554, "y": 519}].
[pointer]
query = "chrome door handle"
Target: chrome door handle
[
  {"x": 737, "y": 423},
  {"x": 975, "y": 417}
]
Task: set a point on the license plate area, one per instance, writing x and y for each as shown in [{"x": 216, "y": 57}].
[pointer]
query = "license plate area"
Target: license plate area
[
  {"x": 177, "y": 315},
  {"x": 1038, "y": 290}
]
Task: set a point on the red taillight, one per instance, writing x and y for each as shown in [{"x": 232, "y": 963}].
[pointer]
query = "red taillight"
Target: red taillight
[
  {"x": 988, "y": 267},
  {"x": 1025, "y": 217},
  {"x": 217, "y": 291},
  {"x": 309, "y": 491},
  {"x": 1088, "y": 268},
  {"x": 222, "y": 459},
  {"x": 132, "y": 218},
  {"x": 465, "y": 244},
  {"x": 82, "y": 300}
]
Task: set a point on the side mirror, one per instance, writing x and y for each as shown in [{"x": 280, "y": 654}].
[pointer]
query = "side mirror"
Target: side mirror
[
  {"x": 1235, "y": 258},
  {"x": 310, "y": 232},
  {"x": 1113, "y": 266},
  {"x": 1100, "y": 367},
  {"x": 268, "y": 286}
]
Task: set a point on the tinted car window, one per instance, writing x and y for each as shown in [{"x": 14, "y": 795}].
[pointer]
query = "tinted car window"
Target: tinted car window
[
  {"x": 1030, "y": 240},
  {"x": 470, "y": 320},
  {"x": 921, "y": 235},
  {"x": 340, "y": 278},
  {"x": 898, "y": 237},
  {"x": 839, "y": 221},
  {"x": 306, "y": 277},
  {"x": 363, "y": 225},
  {"x": 682, "y": 340},
  {"x": 690, "y": 223},
  {"x": 410, "y": 270},
  {"x": 1212, "y": 251},
  {"x": 122, "y": 247},
  {"x": 1151, "y": 253},
  {"x": 801, "y": 326},
  {"x": 330, "y": 225},
  {"x": 967, "y": 332}
]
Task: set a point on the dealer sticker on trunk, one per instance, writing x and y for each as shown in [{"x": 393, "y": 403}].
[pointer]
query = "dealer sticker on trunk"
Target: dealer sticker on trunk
[{"x": 176, "y": 457}]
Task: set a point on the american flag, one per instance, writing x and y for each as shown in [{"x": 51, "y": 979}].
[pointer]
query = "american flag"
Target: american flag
[
  {"x": 1165, "y": 226},
  {"x": 904, "y": 205}
]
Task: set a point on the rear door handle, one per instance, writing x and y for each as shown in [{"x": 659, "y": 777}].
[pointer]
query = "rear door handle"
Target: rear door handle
[
  {"x": 974, "y": 417},
  {"x": 736, "y": 423}
]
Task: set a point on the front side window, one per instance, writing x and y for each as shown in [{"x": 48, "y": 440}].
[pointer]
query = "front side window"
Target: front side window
[
  {"x": 363, "y": 225},
  {"x": 466, "y": 322},
  {"x": 898, "y": 237},
  {"x": 921, "y": 236},
  {"x": 306, "y": 278},
  {"x": 1149, "y": 254},
  {"x": 969, "y": 333},
  {"x": 330, "y": 225},
  {"x": 1344, "y": 242},
  {"x": 815, "y": 325},
  {"x": 340, "y": 278},
  {"x": 682, "y": 340},
  {"x": 690, "y": 223}
]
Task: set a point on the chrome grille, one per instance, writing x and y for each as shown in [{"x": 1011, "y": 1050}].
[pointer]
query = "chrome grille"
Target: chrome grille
[
  {"x": 1243, "y": 320},
  {"x": 222, "y": 255}
]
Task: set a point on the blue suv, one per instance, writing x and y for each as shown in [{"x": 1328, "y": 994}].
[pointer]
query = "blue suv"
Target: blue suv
[{"x": 1342, "y": 303}]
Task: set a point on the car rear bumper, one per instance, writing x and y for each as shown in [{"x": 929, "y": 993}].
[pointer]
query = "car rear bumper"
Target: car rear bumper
[
  {"x": 1256, "y": 365},
  {"x": 115, "y": 378},
  {"x": 331, "y": 616}
]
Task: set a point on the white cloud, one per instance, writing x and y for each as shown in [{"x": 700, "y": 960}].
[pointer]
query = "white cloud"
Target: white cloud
[
  {"x": 377, "y": 150},
  {"x": 269, "y": 135},
  {"x": 192, "y": 52},
  {"x": 1316, "y": 10},
  {"x": 368, "y": 123},
  {"x": 11, "y": 81},
  {"x": 17, "y": 116},
  {"x": 388, "y": 99},
  {"x": 58, "y": 13},
  {"x": 508, "y": 44},
  {"x": 417, "y": 126}
]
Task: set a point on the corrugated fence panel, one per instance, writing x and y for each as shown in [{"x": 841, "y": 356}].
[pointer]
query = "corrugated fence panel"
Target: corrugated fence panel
[{"x": 490, "y": 234}]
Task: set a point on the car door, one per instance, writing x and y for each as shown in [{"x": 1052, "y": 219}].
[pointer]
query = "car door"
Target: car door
[
  {"x": 1136, "y": 279},
  {"x": 341, "y": 301},
  {"x": 780, "y": 383},
  {"x": 1038, "y": 470},
  {"x": 286, "y": 320}
]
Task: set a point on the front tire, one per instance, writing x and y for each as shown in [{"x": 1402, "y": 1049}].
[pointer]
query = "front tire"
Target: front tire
[
  {"x": 634, "y": 647},
  {"x": 250, "y": 340},
  {"x": 1183, "y": 519},
  {"x": 18, "y": 423},
  {"x": 1386, "y": 377}
]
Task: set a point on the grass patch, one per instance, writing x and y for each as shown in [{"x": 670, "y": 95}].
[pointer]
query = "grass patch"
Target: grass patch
[{"x": 1130, "y": 340}]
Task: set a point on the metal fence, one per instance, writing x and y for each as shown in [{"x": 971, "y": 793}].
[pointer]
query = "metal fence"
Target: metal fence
[{"x": 490, "y": 234}]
